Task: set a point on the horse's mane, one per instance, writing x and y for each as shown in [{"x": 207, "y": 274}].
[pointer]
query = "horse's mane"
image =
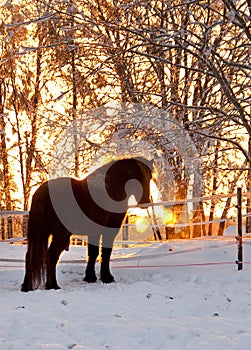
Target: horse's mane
[
  {"x": 98, "y": 177},
  {"x": 144, "y": 165}
]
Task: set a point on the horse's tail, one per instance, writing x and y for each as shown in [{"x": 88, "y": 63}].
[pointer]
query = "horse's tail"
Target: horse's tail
[{"x": 36, "y": 256}]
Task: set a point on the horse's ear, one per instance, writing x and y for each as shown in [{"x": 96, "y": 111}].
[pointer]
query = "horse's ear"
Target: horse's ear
[
  {"x": 150, "y": 164},
  {"x": 146, "y": 162}
]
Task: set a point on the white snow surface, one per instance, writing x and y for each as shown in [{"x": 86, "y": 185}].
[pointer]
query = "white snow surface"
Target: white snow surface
[{"x": 167, "y": 296}]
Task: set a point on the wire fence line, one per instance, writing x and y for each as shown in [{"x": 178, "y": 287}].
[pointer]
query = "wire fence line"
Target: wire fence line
[
  {"x": 188, "y": 223},
  {"x": 184, "y": 201}
]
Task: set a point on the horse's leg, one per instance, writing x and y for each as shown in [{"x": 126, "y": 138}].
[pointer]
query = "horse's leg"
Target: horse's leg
[
  {"x": 60, "y": 242},
  {"x": 107, "y": 244},
  {"x": 93, "y": 252}
]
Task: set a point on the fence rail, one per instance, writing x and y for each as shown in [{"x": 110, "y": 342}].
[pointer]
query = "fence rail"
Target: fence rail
[{"x": 190, "y": 220}]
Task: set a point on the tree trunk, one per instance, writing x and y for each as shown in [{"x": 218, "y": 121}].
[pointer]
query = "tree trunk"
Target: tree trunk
[
  {"x": 34, "y": 130},
  {"x": 248, "y": 210},
  {"x": 228, "y": 201},
  {"x": 7, "y": 203},
  {"x": 6, "y": 170},
  {"x": 214, "y": 188}
]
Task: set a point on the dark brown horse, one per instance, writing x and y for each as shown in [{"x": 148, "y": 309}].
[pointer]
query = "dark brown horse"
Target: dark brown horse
[{"x": 93, "y": 206}]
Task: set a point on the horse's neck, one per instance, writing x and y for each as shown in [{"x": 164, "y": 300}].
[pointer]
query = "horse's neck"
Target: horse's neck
[
  {"x": 116, "y": 180},
  {"x": 97, "y": 179}
]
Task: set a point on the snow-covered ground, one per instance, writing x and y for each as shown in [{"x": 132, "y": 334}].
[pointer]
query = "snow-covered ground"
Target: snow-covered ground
[{"x": 166, "y": 296}]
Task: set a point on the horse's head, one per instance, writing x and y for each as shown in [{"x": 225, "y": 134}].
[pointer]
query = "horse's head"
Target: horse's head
[
  {"x": 127, "y": 177},
  {"x": 145, "y": 176}
]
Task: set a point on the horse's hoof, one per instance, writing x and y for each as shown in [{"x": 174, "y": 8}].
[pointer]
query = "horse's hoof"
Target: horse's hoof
[
  {"x": 56, "y": 287},
  {"x": 107, "y": 279},
  {"x": 25, "y": 289},
  {"x": 90, "y": 276},
  {"x": 90, "y": 279}
]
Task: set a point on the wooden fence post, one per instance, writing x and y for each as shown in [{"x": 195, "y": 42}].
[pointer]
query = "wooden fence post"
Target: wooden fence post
[
  {"x": 2, "y": 228},
  {"x": 239, "y": 229},
  {"x": 10, "y": 227},
  {"x": 125, "y": 229}
]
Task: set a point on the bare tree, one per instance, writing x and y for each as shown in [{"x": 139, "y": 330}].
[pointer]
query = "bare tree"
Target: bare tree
[{"x": 190, "y": 58}]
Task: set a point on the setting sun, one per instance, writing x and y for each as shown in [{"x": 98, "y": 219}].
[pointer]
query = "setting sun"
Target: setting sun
[
  {"x": 145, "y": 217},
  {"x": 142, "y": 224}
]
